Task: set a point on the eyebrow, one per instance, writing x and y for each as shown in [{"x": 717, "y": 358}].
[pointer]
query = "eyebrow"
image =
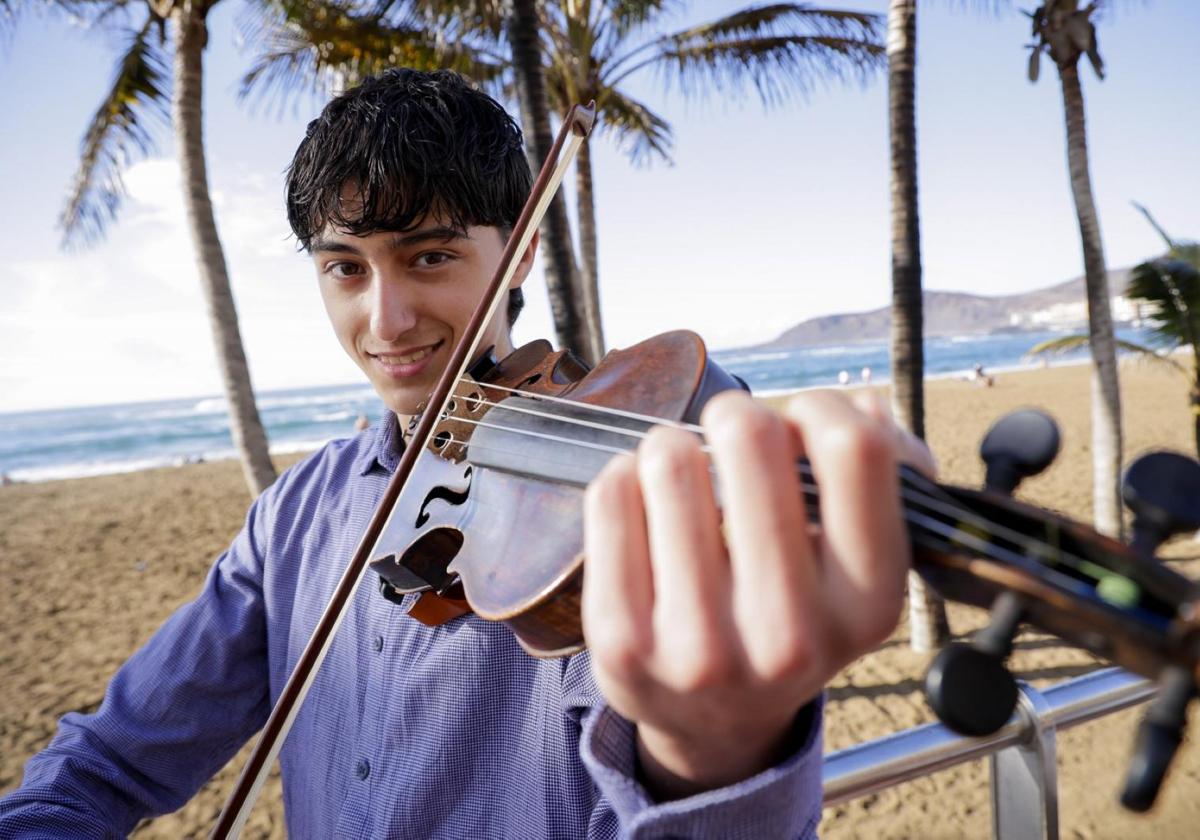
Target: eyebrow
[{"x": 442, "y": 233}]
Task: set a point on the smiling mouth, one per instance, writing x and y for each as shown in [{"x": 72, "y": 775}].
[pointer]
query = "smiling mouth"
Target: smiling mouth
[{"x": 406, "y": 364}]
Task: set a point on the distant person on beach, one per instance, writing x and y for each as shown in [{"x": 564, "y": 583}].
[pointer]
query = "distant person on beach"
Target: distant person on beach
[
  {"x": 866, "y": 376},
  {"x": 844, "y": 378},
  {"x": 697, "y": 709},
  {"x": 361, "y": 423},
  {"x": 979, "y": 377}
]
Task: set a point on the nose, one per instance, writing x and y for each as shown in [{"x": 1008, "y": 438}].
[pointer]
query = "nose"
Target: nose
[{"x": 393, "y": 312}]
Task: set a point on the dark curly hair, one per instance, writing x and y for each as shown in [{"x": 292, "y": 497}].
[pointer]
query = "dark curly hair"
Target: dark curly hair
[{"x": 409, "y": 142}]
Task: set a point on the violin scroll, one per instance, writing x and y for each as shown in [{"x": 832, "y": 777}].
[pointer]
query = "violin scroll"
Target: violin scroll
[{"x": 1117, "y": 601}]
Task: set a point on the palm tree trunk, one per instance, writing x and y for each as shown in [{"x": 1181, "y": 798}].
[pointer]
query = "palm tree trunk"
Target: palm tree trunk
[
  {"x": 562, "y": 286},
  {"x": 928, "y": 625},
  {"x": 587, "y": 243},
  {"x": 249, "y": 439},
  {"x": 1106, "y": 396},
  {"x": 1194, "y": 405}
]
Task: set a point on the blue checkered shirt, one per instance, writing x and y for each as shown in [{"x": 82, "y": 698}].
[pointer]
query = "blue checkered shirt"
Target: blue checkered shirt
[{"x": 409, "y": 731}]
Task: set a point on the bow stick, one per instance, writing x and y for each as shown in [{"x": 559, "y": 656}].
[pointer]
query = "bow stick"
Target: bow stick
[{"x": 576, "y": 126}]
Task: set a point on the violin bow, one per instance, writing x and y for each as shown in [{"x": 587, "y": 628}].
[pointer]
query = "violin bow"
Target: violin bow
[{"x": 576, "y": 126}]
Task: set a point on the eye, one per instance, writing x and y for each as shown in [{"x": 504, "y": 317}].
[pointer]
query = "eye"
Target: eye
[
  {"x": 429, "y": 259},
  {"x": 342, "y": 270}
]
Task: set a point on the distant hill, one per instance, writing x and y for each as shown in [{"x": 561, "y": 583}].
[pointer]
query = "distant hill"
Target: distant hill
[{"x": 958, "y": 313}]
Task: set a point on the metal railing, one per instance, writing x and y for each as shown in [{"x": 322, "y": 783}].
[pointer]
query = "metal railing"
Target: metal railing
[{"x": 1024, "y": 786}]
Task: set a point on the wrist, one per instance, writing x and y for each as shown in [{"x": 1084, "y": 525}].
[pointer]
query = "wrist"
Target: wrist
[{"x": 675, "y": 765}]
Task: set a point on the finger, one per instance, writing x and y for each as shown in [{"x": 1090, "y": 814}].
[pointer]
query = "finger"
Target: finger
[
  {"x": 854, "y": 461},
  {"x": 687, "y": 553},
  {"x": 910, "y": 449},
  {"x": 618, "y": 590},
  {"x": 775, "y": 575}
]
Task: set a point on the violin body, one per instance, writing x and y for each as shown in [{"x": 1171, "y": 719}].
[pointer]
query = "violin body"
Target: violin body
[{"x": 493, "y": 520}]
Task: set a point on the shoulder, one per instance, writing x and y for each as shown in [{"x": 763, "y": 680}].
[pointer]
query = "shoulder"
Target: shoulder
[
  {"x": 332, "y": 467},
  {"x": 340, "y": 473}
]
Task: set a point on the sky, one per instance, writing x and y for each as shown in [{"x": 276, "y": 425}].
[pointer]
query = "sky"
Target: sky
[{"x": 765, "y": 218}]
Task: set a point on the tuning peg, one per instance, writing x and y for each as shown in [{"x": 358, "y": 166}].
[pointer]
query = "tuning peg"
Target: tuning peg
[
  {"x": 1159, "y": 735},
  {"x": 968, "y": 685},
  {"x": 1019, "y": 445},
  {"x": 1162, "y": 490}
]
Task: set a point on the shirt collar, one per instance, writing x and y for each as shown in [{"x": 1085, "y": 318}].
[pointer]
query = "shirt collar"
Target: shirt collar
[{"x": 384, "y": 449}]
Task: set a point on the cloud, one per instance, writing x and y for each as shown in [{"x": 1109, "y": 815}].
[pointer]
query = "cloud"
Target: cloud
[{"x": 126, "y": 320}]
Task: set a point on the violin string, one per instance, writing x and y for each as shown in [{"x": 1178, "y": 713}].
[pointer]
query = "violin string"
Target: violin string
[
  {"x": 928, "y": 531},
  {"x": 932, "y": 493},
  {"x": 574, "y": 421},
  {"x": 938, "y": 502},
  {"x": 947, "y": 506},
  {"x": 932, "y": 497},
  {"x": 595, "y": 409},
  {"x": 586, "y": 444}
]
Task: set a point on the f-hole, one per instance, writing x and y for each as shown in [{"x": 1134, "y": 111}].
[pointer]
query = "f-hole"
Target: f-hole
[
  {"x": 430, "y": 554},
  {"x": 445, "y": 494}
]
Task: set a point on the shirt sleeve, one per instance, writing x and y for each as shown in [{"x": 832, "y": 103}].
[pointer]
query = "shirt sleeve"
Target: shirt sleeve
[
  {"x": 783, "y": 801},
  {"x": 172, "y": 715}
]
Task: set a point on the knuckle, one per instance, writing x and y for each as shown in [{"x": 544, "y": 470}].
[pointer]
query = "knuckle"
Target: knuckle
[
  {"x": 859, "y": 441},
  {"x": 700, "y": 668},
  {"x": 612, "y": 485},
  {"x": 670, "y": 455},
  {"x": 743, "y": 424},
  {"x": 726, "y": 407},
  {"x": 785, "y": 658},
  {"x": 617, "y": 650}
]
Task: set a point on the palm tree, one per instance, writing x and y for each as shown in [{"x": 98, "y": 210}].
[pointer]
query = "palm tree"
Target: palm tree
[
  {"x": 120, "y": 128},
  {"x": 323, "y": 47},
  {"x": 1167, "y": 291},
  {"x": 593, "y": 47},
  {"x": 577, "y": 327},
  {"x": 1065, "y": 32},
  {"x": 929, "y": 627}
]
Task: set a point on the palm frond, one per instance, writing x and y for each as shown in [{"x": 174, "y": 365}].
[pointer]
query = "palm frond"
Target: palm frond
[
  {"x": 1170, "y": 290},
  {"x": 120, "y": 130},
  {"x": 641, "y": 133},
  {"x": 10, "y": 13},
  {"x": 1069, "y": 343},
  {"x": 770, "y": 20},
  {"x": 627, "y": 15},
  {"x": 115, "y": 15},
  {"x": 316, "y": 47},
  {"x": 1154, "y": 224},
  {"x": 778, "y": 50},
  {"x": 776, "y": 68},
  {"x": 1057, "y": 346}
]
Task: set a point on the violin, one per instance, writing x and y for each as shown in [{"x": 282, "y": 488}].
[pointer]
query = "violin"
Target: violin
[
  {"x": 518, "y": 439},
  {"x": 522, "y": 441}
]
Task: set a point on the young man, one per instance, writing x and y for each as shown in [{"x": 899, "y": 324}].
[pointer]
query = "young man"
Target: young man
[{"x": 697, "y": 710}]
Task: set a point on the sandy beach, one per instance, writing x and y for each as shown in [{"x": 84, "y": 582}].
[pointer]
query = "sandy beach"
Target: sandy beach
[{"x": 92, "y": 566}]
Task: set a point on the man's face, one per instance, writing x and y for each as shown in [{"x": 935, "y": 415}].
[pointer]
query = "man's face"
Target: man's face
[{"x": 399, "y": 302}]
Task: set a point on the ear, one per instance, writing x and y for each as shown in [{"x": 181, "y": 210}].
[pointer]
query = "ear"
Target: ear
[{"x": 526, "y": 262}]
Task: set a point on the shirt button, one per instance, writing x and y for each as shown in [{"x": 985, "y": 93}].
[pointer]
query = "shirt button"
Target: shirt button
[
  {"x": 377, "y": 644},
  {"x": 362, "y": 769}
]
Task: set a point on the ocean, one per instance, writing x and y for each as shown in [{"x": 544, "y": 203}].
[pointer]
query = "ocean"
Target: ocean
[{"x": 74, "y": 442}]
